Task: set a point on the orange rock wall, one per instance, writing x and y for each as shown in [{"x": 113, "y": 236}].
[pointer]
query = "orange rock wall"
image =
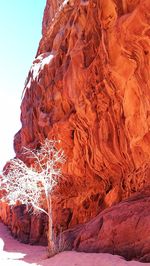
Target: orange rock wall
[{"x": 89, "y": 88}]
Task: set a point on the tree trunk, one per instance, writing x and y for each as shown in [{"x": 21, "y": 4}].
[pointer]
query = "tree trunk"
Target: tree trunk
[{"x": 51, "y": 240}]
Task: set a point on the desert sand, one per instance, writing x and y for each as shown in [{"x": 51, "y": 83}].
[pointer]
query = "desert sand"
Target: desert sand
[{"x": 15, "y": 253}]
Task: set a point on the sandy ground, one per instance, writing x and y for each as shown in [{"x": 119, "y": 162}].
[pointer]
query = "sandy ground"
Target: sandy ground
[{"x": 15, "y": 253}]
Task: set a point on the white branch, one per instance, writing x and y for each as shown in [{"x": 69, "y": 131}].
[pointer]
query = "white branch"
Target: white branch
[{"x": 27, "y": 184}]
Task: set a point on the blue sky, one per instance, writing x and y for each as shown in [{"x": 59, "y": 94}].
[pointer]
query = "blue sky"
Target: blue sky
[{"x": 20, "y": 32}]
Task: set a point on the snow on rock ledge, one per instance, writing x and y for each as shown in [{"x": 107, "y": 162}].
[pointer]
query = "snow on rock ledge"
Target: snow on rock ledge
[
  {"x": 36, "y": 68},
  {"x": 39, "y": 63}
]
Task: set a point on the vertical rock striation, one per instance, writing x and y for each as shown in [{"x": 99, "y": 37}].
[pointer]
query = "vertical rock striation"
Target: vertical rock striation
[{"x": 89, "y": 87}]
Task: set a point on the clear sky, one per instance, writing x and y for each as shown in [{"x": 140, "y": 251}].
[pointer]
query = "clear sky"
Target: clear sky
[{"x": 20, "y": 32}]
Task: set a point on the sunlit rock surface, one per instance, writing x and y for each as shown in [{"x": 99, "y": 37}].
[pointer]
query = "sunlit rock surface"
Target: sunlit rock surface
[{"x": 89, "y": 88}]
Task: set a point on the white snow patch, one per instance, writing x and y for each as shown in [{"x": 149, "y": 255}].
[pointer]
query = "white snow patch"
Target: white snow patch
[
  {"x": 39, "y": 63},
  {"x": 61, "y": 7},
  {"x": 28, "y": 85},
  {"x": 64, "y": 3},
  {"x": 37, "y": 66}
]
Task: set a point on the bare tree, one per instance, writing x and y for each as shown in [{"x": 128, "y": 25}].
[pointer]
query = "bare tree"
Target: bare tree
[{"x": 29, "y": 184}]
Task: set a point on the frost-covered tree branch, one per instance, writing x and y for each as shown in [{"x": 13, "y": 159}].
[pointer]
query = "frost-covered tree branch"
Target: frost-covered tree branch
[{"x": 28, "y": 184}]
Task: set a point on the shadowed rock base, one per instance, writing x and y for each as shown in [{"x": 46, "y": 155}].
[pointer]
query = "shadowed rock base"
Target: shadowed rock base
[
  {"x": 123, "y": 229},
  {"x": 24, "y": 225}
]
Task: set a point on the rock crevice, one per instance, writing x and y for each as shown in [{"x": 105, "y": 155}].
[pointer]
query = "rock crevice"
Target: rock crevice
[{"x": 89, "y": 88}]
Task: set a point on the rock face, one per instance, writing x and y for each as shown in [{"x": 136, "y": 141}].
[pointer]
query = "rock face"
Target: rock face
[
  {"x": 89, "y": 88},
  {"x": 123, "y": 229},
  {"x": 24, "y": 226}
]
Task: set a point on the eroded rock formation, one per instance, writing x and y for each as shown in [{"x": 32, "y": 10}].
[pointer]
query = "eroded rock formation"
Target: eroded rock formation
[
  {"x": 24, "y": 225},
  {"x": 122, "y": 229},
  {"x": 89, "y": 88}
]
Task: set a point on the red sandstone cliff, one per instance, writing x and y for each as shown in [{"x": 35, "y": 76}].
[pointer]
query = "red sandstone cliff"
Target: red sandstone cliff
[{"x": 89, "y": 87}]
